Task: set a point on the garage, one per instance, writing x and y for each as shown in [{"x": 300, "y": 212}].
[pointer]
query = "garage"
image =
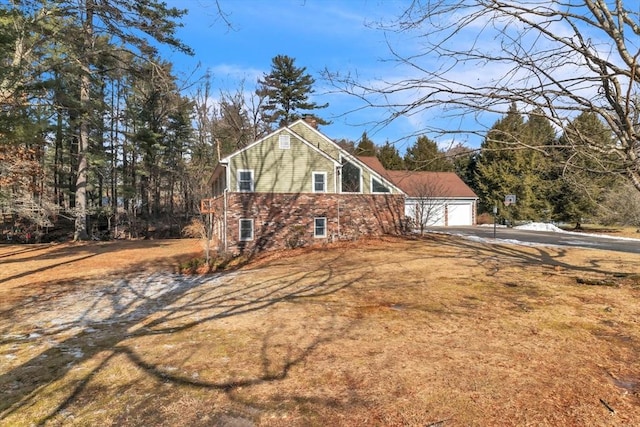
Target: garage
[
  {"x": 436, "y": 198},
  {"x": 431, "y": 198},
  {"x": 460, "y": 213}
]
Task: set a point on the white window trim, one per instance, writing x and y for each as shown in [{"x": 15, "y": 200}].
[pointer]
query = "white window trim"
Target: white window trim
[
  {"x": 313, "y": 181},
  {"x": 320, "y": 236},
  {"x": 342, "y": 174},
  {"x": 284, "y": 141},
  {"x": 381, "y": 183},
  {"x": 240, "y": 230},
  {"x": 238, "y": 180}
]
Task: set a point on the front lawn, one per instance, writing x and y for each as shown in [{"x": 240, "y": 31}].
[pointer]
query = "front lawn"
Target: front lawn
[{"x": 435, "y": 331}]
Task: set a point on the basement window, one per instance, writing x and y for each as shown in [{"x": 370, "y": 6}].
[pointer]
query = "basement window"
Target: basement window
[
  {"x": 246, "y": 230},
  {"x": 319, "y": 227}
]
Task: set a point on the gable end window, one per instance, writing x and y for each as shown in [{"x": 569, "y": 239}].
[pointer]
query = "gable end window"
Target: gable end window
[
  {"x": 350, "y": 177},
  {"x": 378, "y": 187},
  {"x": 245, "y": 180},
  {"x": 319, "y": 182},
  {"x": 245, "y": 227},
  {"x": 319, "y": 227},
  {"x": 284, "y": 141}
]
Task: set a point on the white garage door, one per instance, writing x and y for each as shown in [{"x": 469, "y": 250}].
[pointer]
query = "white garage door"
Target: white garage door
[
  {"x": 430, "y": 213},
  {"x": 460, "y": 214}
]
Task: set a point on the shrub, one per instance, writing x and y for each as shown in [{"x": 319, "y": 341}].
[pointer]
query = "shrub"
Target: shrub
[{"x": 484, "y": 218}]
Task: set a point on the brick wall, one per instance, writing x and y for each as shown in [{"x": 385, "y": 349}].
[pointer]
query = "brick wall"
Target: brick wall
[{"x": 287, "y": 220}]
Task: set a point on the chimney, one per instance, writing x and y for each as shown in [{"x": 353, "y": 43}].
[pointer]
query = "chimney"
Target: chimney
[{"x": 311, "y": 121}]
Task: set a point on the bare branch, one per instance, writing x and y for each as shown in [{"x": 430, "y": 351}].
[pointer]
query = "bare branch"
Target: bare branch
[{"x": 472, "y": 59}]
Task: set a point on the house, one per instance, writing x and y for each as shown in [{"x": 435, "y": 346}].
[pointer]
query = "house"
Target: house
[
  {"x": 296, "y": 187},
  {"x": 432, "y": 198}
]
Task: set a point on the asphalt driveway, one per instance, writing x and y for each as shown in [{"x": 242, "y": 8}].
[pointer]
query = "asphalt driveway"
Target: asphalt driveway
[{"x": 581, "y": 240}]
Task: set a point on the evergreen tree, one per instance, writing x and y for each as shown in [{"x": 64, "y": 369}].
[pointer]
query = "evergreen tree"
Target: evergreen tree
[
  {"x": 424, "y": 155},
  {"x": 505, "y": 167},
  {"x": 464, "y": 163},
  {"x": 68, "y": 71},
  {"x": 365, "y": 147},
  {"x": 23, "y": 122},
  {"x": 495, "y": 176},
  {"x": 582, "y": 183},
  {"x": 132, "y": 23},
  {"x": 390, "y": 157},
  {"x": 286, "y": 90},
  {"x": 537, "y": 168}
]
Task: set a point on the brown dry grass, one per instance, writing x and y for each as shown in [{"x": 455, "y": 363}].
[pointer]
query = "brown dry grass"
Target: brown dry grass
[{"x": 383, "y": 332}]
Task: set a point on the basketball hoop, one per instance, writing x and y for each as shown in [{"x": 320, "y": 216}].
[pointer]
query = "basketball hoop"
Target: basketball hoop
[{"x": 509, "y": 199}]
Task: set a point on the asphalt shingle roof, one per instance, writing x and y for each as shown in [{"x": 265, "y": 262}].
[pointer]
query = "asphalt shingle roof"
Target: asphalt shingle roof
[{"x": 422, "y": 184}]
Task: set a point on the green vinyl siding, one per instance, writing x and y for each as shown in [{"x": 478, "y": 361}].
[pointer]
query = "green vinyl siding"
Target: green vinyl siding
[
  {"x": 331, "y": 149},
  {"x": 278, "y": 170},
  {"x": 366, "y": 181},
  {"x": 316, "y": 139}
]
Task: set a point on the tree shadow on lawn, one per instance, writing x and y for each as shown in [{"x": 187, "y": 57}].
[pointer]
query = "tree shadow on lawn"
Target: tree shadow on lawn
[
  {"x": 111, "y": 317},
  {"x": 13, "y": 249},
  {"x": 69, "y": 253}
]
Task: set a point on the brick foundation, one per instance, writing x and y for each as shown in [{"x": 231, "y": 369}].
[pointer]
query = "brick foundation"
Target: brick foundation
[{"x": 287, "y": 220}]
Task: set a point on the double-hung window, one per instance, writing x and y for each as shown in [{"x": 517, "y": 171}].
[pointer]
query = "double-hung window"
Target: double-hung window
[
  {"x": 319, "y": 182},
  {"x": 245, "y": 227},
  {"x": 320, "y": 227},
  {"x": 245, "y": 180}
]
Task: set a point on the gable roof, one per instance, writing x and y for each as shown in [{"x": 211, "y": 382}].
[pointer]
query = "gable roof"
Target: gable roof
[
  {"x": 225, "y": 160},
  {"x": 379, "y": 171},
  {"x": 423, "y": 184},
  {"x": 302, "y": 122}
]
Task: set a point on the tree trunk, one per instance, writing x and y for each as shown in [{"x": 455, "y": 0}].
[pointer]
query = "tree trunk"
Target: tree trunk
[
  {"x": 81, "y": 180},
  {"x": 83, "y": 137}
]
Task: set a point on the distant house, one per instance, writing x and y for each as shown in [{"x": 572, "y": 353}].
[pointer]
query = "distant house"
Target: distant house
[{"x": 296, "y": 187}]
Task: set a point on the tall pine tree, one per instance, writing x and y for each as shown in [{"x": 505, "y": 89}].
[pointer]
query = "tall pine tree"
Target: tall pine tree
[
  {"x": 287, "y": 89},
  {"x": 133, "y": 23}
]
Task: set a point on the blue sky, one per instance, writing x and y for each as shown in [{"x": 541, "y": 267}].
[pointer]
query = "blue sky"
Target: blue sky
[
  {"x": 343, "y": 36},
  {"x": 340, "y": 36}
]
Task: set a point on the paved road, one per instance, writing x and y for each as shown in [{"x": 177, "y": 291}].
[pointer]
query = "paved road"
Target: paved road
[{"x": 548, "y": 238}]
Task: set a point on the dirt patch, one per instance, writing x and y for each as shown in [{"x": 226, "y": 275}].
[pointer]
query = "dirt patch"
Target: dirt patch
[{"x": 435, "y": 331}]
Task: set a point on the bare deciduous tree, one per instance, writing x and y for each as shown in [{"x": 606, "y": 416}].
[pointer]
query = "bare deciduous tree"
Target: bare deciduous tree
[
  {"x": 471, "y": 59},
  {"x": 428, "y": 200},
  {"x": 622, "y": 207}
]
